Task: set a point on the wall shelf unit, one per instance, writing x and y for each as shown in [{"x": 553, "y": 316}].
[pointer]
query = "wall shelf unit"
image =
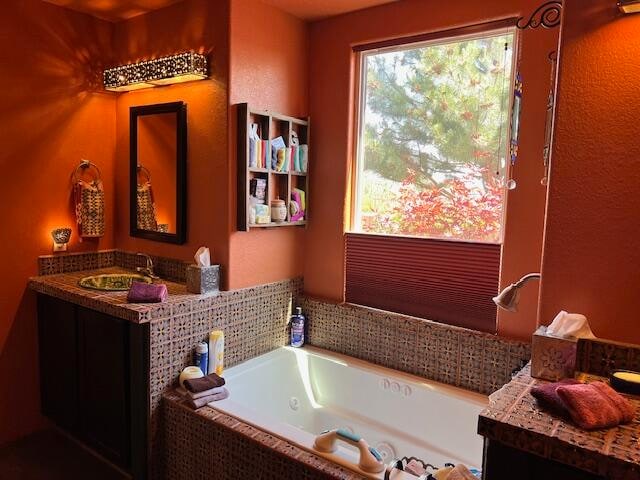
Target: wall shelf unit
[{"x": 257, "y": 171}]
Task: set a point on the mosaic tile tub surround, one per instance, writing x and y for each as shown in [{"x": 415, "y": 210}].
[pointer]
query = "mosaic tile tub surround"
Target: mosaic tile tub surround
[
  {"x": 513, "y": 418},
  {"x": 206, "y": 443},
  {"x": 253, "y": 320},
  {"x": 457, "y": 356}
]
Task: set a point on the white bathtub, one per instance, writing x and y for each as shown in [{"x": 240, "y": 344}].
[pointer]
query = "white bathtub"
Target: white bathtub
[{"x": 296, "y": 394}]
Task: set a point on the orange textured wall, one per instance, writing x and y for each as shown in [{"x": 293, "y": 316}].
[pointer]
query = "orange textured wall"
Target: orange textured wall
[
  {"x": 332, "y": 113},
  {"x": 54, "y": 112},
  {"x": 196, "y": 25},
  {"x": 592, "y": 237},
  {"x": 269, "y": 71}
]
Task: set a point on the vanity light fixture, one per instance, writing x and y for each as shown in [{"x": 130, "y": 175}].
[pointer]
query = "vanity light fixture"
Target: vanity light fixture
[
  {"x": 179, "y": 68},
  {"x": 61, "y": 237},
  {"x": 629, "y": 6},
  {"x": 509, "y": 297}
]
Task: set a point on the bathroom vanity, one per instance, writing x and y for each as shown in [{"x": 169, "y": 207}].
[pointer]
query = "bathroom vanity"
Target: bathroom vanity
[
  {"x": 519, "y": 435},
  {"x": 106, "y": 363},
  {"x": 94, "y": 377},
  {"x": 94, "y": 351}
]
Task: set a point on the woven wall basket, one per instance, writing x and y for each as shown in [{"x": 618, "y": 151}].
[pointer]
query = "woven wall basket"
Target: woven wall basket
[{"x": 89, "y": 197}]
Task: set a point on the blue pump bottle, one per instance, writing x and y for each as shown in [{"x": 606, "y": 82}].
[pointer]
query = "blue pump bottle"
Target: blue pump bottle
[{"x": 297, "y": 325}]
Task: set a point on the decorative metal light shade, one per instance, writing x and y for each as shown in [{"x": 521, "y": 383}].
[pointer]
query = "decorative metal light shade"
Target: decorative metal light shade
[
  {"x": 629, "y": 6},
  {"x": 61, "y": 237},
  {"x": 183, "y": 67}
]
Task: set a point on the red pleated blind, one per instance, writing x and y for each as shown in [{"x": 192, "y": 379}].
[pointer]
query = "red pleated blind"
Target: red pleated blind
[{"x": 446, "y": 281}]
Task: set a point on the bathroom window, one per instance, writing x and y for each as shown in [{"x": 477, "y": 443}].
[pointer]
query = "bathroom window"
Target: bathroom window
[
  {"x": 433, "y": 138},
  {"x": 429, "y": 184}
]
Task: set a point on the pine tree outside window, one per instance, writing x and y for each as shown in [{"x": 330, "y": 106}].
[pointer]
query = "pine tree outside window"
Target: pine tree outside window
[{"x": 433, "y": 138}]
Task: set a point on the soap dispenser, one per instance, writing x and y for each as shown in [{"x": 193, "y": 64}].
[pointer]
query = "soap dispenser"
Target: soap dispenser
[{"x": 297, "y": 325}]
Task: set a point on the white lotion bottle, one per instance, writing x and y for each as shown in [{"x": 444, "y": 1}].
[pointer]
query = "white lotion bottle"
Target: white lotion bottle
[{"x": 216, "y": 352}]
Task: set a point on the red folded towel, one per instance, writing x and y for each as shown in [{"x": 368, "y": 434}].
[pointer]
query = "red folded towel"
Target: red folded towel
[
  {"x": 547, "y": 396},
  {"x": 625, "y": 407},
  {"x": 147, "y": 293},
  {"x": 591, "y": 409}
]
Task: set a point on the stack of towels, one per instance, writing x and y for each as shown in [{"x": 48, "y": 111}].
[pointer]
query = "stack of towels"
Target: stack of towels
[
  {"x": 200, "y": 391},
  {"x": 590, "y": 406}
]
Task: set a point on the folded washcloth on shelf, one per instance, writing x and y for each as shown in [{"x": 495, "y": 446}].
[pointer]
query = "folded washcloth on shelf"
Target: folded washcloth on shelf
[
  {"x": 147, "y": 293},
  {"x": 198, "y": 385},
  {"x": 547, "y": 396},
  {"x": 596, "y": 405},
  {"x": 202, "y": 401}
]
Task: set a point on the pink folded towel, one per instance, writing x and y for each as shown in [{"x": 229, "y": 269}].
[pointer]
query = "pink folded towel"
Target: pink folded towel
[
  {"x": 147, "y": 293},
  {"x": 625, "y": 407},
  {"x": 202, "y": 401},
  {"x": 205, "y": 393},
  {"x": 547, "y": 396},
  {"x": 591, "y": 409}
]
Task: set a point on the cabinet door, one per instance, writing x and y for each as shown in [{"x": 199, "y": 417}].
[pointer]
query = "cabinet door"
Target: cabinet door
[
  {"x": 57, "y": 345},
  {"x": 104, "y": 384}
]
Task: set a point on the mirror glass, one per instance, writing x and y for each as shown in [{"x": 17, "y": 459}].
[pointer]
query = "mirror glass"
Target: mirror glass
[{"x": 158, "y": 159}]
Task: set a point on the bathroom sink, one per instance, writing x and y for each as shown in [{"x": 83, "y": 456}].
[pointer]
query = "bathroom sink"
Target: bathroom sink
[{"x": 113, "y": 282}]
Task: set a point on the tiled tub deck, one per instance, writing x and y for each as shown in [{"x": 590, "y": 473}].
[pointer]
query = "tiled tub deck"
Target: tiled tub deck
[{"x": 254, "y": 321}]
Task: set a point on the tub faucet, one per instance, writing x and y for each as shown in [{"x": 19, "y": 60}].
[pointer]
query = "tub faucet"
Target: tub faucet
[{"x": 148, "y": 270}]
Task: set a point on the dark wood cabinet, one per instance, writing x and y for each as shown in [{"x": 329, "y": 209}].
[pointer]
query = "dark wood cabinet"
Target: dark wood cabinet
[
  {"x": 94, "y": 380},
  {"x": 507, "y": 463},
  {"x": 103, "y": 383},
  {"x": 58, "y": 334}
]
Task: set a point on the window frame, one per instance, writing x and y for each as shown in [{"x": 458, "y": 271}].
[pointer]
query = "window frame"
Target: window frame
[{"x": 362, "y": 52}]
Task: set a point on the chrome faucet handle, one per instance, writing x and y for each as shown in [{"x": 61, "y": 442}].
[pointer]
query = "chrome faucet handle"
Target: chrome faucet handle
[{"x": 148, "y": 270}]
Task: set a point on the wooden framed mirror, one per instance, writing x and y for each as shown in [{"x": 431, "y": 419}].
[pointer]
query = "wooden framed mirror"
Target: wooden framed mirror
[{"x": 158, "y": 172}]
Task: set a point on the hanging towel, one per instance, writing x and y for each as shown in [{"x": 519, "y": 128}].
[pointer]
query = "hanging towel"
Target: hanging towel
[
  {"x": 146, "y": 208},
  {"x": 89, "y": 202},
  {"x": 146, "y": 212}
]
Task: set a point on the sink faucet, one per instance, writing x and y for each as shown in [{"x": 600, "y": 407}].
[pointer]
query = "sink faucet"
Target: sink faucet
[{"x": 148, "y": 270}]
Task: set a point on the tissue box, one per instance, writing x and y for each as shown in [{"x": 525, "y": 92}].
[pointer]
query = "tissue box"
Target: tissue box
[
  {"x": 552, "y": 358},
  {"x": 203, "y": 279}
]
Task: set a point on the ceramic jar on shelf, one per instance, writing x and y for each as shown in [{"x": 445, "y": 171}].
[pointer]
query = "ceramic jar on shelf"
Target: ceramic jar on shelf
[{"x": 278, "y": 211}]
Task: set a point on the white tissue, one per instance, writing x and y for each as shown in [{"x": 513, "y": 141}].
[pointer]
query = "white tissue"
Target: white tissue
[
  {"x": 203, "y": 257},
  {"x": 570, "y": 325}
]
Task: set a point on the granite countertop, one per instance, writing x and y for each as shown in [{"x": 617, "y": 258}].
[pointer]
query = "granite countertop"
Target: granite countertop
[
  {"x": 513, "y": 418},
  {"x": 65, "y": 287}
]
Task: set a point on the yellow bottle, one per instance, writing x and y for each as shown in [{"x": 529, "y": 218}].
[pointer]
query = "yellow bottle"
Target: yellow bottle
[{"x": 216, "y": 352}]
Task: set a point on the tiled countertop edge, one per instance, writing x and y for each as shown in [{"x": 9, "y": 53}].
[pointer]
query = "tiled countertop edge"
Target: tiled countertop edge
[
  {"x": 553, "y": 448},
  {"x": 265, "y": 440},
  {"x": 88, "y": 302}
]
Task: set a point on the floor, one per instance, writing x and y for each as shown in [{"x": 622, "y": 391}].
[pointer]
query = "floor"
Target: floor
[{"x": 49, "y": 455}]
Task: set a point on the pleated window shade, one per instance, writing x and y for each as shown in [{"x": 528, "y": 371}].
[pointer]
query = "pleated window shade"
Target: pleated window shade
[{"x": 446, "y": 281}]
